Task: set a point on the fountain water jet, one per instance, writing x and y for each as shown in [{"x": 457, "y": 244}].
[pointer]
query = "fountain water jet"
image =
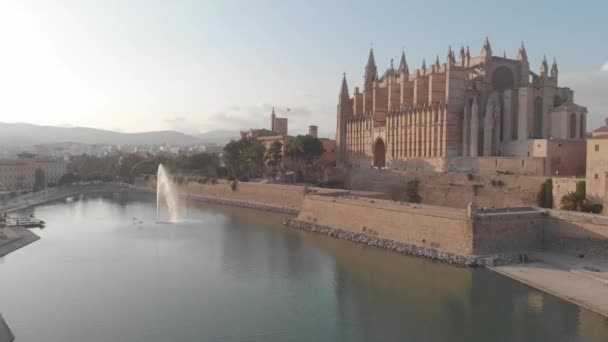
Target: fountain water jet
[{"x": 165, "y": 189}]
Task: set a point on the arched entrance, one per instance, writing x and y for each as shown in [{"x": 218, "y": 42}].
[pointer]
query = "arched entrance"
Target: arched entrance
[{"x": 379, "y": 153}]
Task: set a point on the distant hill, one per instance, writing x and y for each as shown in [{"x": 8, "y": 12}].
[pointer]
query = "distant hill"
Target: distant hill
[
  {"x": 219, "y": 137},
  {"x": 22, "y": 134}
]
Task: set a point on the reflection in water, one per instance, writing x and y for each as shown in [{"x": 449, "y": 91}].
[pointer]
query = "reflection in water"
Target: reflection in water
[{"x": 238, "y": 274}]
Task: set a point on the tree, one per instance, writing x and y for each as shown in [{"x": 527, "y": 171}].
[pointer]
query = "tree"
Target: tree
[
  {"x": 244, "y": 157},
  {"x": 232, "y": 157},
  {"x": 145, "y": 167},
  {"x": 274, "y": 157},
  {"x": 304, "y": 152},
  {"x": 69, "y": 178},
  {"x": 253, "y": 154}
]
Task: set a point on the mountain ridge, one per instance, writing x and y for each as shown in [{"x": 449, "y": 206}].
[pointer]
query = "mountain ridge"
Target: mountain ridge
[{"x": 25, "y": 134}]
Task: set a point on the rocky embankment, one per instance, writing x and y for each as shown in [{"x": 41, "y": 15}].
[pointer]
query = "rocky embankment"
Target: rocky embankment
[{"x": 430, "y": 253}]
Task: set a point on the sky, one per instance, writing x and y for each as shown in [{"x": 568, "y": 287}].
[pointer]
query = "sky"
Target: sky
[{"x": 196, "y": 66}]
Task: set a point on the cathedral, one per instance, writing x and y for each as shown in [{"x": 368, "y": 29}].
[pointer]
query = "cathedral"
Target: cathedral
[{"x": 484, "y": 106}]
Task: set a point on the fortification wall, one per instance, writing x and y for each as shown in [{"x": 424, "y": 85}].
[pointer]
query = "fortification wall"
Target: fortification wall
[
  {"x": 507, "y": 232},
  {"x": 454, "y": 189},
  {"x": 576, "y": 233},
  {"x": 280, "y": 196},
  {"x": 531, "y": 166},
  {"x": 426, "y": 226}
]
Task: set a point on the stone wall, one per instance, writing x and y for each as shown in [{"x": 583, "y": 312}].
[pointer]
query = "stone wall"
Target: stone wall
[
  {"x": 435, "y": 227},
  {"x": 576, "y": 233},
  {"x": 454, "y": 189},
  {"x": 281, "y": 196},
  {"x": 507, "y": 232},
  {"x": 531, "y": 166}
]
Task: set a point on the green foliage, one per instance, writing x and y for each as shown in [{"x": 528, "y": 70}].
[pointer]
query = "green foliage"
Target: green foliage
[
  {"x": 304, "y": 152},
  {"x": 203, "y": 162},
  {"x": 69, "y": 178},
  {"x": 572, "y": 201},
  {"x": 234, "y": 186},
  {"x": 274, "y": 154},
  {"x": 214, "y": 181},
  {"x": 544, "y": 198},
  {"x": 244, "y": 157},
  {"x": 412, "y": 191},
  {"x": 577, "y": 200},
  {"x": 145, "y": 167}
]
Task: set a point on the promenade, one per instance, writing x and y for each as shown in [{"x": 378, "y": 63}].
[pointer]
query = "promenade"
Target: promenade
[{"x": 581, "y": 281}]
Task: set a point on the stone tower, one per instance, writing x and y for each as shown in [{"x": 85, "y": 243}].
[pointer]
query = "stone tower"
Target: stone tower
[{"x": 345, "y": 108}]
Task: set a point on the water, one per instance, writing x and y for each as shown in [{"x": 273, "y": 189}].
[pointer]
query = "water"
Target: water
[
  {"x": 229, "y": 274},
  {"x": 166, "y": 192}
]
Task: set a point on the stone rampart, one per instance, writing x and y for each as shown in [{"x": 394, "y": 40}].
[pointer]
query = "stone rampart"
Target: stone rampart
[
  {"x": 576, "y": 233},
  {"x": 530, "y": 166},
  {"x": 428, "y": 226},
  {"x": 508, "y": 231},
  {"x": 454, "y": 189}
]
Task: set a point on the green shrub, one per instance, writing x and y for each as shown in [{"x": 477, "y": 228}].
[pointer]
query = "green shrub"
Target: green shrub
[
  {"x": 544, "y": 198},
  {"x": 214, "y": 181},
  {"x": 412, "y": 191},
  {"x": 234, "y": 185}
]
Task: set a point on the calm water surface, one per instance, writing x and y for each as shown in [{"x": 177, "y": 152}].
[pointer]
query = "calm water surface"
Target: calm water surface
[{"x": 232, "y": 274}]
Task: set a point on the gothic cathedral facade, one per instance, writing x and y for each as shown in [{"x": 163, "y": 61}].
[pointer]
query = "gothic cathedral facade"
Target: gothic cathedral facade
[{"x": 484, "y": 106}]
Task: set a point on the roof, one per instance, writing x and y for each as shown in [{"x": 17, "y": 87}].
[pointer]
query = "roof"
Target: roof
[{"x": 601, "y": 129}]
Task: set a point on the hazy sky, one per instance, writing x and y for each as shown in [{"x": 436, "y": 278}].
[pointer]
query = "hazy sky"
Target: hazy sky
[{"x": 201, "y": 65}]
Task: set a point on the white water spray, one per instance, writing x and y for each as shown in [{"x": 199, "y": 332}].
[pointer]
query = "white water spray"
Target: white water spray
[{"x": 166, "y": 190}]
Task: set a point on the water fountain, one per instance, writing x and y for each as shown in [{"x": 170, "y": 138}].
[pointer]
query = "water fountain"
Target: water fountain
[{"x": 166, "y": 190}]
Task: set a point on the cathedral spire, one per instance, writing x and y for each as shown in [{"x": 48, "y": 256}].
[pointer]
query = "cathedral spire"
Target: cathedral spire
[
  {"x": 522, "y": 55},
  {"x": 451, "y": 57},
  {"x": 554, "y": 68},
  {"x": 423, "y": 68},
  {"x": 544, "y": 68},
  {"x": 403, "y": 64},
  {"x": 371, "y": 72},
  {"x": 486, "y": 51},
  {"x": 343, "y": 88}
]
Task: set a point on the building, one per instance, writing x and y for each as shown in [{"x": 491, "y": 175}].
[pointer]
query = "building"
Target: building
[
  {"x": 597, "y": 166},
  {"x": 17, "y": 174},
  {"x": 468, "y": 107},
  {"x": 53, "y": 171},
  {"x": 21, "y": 173}
]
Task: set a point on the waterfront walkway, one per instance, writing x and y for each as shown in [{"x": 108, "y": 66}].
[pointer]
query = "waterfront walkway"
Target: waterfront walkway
[{"x": 581, "y": 281}]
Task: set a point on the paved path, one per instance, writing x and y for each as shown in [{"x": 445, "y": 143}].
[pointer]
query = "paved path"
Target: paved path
[{"x": 580, "y": 281}]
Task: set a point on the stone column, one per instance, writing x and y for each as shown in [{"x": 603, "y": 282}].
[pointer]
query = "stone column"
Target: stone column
[
  {"x": 474, "y": 129},
  {"x": 466, "y": 129},
  {"x": 507, "y": 128},
  {"x": 488, "y": 124}
]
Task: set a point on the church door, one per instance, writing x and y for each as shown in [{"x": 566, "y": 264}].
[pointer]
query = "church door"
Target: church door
[{"x": 379, "y": 154}]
